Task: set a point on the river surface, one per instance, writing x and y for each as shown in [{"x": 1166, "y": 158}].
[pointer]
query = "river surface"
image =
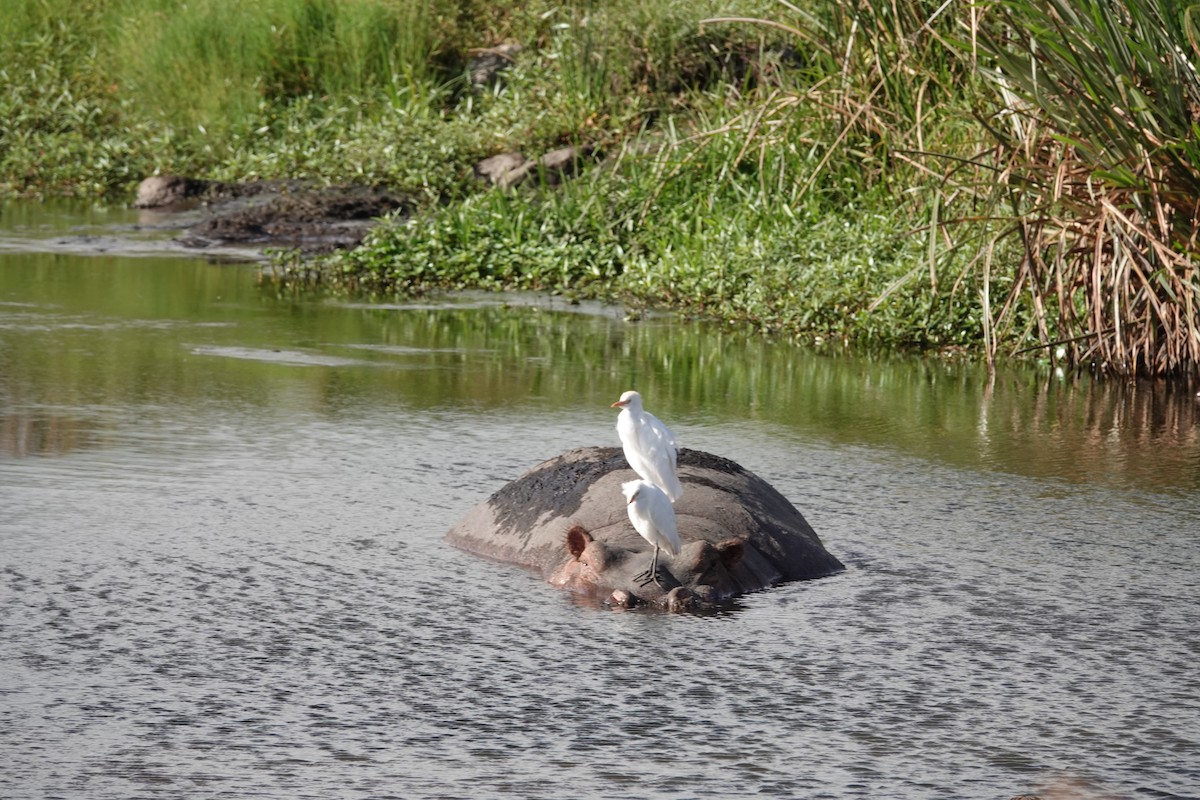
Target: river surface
[{"x": 222, "y": 571}]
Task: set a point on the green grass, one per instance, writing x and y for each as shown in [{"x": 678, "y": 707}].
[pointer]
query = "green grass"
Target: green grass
[
  {"x": 824, "y": 269},
  {"x": 999, "y": 179},
  {"x": 232, "y": 58}
]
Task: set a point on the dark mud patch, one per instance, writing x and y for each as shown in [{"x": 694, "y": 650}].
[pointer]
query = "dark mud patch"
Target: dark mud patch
[
  {"x": 179, "y": 192},
  {"x": 312, "y": 220},
  {"x": 281, "y": 214}
]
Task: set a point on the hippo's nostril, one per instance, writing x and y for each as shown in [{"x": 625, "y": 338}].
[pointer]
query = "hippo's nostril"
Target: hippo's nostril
[
  {"x": 680, "y": 599},
  {"x": 623, "y": 599}
]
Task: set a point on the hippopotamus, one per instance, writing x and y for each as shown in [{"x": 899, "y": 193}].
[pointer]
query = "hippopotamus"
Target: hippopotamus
[{"x": 566, "y": 518}]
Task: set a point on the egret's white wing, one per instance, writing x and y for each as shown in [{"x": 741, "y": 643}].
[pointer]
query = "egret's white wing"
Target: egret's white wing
[
  {"x": 662, "y": 435},
  {"x": 650, "y": 449},
  {"x": 659, "y": 454},
  {"x": 662, "y": 517}
]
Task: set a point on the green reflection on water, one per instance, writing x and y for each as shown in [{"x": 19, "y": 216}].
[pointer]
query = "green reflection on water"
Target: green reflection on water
[{"x": 88, "y": 342}]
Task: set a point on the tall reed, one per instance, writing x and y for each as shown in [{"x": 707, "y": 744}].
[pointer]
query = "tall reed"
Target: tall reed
[
  {"x": 869, "y": 114},
  {"x": 1098, "y": 157},
  {"x": 1079, "y": 193}
]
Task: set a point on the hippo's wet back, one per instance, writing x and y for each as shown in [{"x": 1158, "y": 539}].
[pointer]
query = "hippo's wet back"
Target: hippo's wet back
[{"x": 567, "y": 518}]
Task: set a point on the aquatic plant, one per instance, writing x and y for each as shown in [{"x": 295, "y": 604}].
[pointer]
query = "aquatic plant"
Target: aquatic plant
[{"x": 1098, "y": 158}]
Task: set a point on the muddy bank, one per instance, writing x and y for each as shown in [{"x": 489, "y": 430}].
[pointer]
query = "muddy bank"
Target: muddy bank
[
  {"x": 312, "y": 219},
  {"x": 269, "y": 214}
]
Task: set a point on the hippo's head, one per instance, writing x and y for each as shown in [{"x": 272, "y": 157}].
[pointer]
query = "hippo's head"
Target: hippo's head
[{"x": 702, "y": 573}]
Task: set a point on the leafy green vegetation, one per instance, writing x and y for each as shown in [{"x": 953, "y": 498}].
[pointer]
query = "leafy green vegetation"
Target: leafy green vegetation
[{"x": 1016, "y": 177}]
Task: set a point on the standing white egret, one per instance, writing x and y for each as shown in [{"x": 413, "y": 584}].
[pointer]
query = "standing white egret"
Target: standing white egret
[
  {"x": 650, "y": 447},
  {"x": 653, "y": 516}
]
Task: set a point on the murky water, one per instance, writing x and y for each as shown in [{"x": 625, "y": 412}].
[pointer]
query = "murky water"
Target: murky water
[{"x": 222, "y": 571}]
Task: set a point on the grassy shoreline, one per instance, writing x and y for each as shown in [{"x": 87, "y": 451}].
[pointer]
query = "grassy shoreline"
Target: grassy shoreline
[{"x": 885, "y": 176}]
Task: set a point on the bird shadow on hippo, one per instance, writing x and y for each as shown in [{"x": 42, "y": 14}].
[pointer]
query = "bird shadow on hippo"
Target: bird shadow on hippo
[{"x": 566, "y": 518}]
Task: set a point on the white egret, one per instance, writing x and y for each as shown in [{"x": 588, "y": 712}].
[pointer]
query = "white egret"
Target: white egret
[
  {"x": 650, "y": 447},
  {"x": 653, "y": 517}
]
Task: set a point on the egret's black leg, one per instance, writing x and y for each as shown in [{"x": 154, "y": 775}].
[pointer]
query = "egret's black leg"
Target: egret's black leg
[
  {"x": 652, "y": 573},
  {"x": 654, "y": 569}
]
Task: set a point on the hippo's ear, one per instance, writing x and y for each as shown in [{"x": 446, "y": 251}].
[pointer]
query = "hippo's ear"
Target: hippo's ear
[
  {"x": 577, "y": 541},
  {"x": 731, "y": 551}
]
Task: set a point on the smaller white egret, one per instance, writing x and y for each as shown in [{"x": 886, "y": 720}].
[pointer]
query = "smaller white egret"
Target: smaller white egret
[
  {"x": 653, "y": 517},
  {"x": 650, "y": 447}
]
